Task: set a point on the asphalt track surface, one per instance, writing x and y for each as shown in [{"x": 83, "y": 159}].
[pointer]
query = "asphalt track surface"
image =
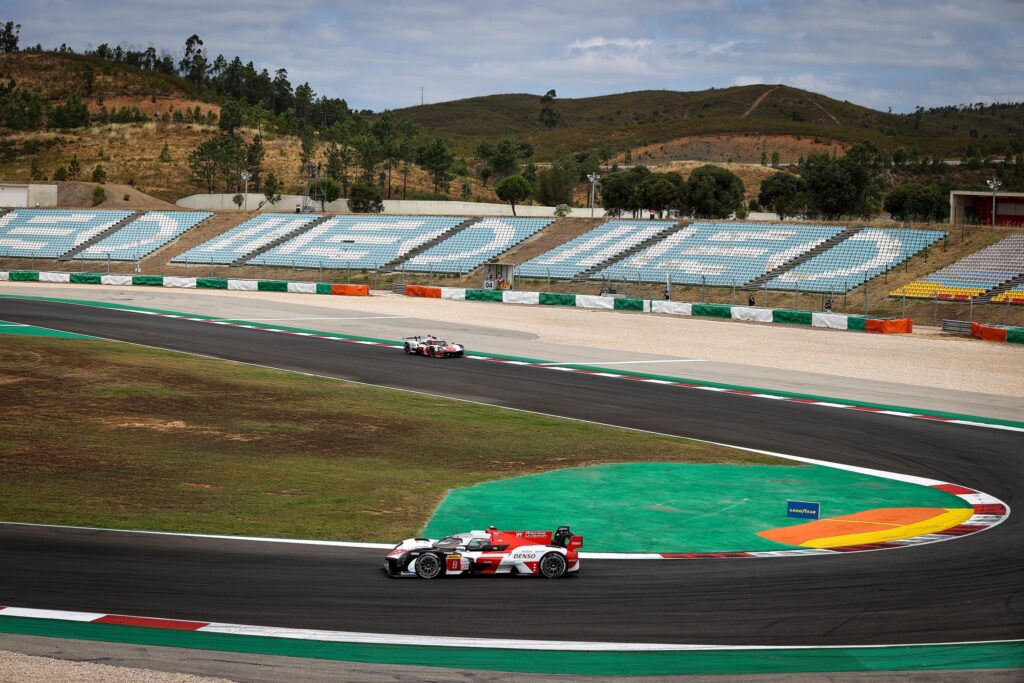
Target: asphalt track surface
[{"x": 967, "y": 589}]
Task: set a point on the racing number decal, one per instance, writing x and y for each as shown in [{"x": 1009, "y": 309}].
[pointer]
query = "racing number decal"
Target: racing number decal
[{"x": 454, "y": 563}]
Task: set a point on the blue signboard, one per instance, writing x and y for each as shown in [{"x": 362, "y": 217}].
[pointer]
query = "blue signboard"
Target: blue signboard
[{"x": 803, "y": 509}]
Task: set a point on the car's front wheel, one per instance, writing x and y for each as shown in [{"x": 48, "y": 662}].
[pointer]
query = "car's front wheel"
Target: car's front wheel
[
  {"x": 552, "y": 566},
  {"x": 408, "y": 350},
  {"x": 428, "y": 566}
]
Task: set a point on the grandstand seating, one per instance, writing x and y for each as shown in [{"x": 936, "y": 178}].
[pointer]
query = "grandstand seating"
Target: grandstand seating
[
  {"x": 144, "y": 235},
  {"x": 245, "y": 238},
  {"x": 589, "y": 249},
  {"x": 48, "y": 233},
  {"x": 857, "y": 259},
  {"x": 972, "y": 275},
  {"x": 719, "y": 254},
  {"x": 476, "y": 244},
  {"x": 357, "y": 241},
  {"x": 1014, "y": 295}
]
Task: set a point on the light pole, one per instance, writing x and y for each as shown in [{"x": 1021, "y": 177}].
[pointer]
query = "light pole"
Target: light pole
[
  {"x": 246, "y": 176},
  {"x": 594, "y": 179},
  {"x": 994, "y": 184}
]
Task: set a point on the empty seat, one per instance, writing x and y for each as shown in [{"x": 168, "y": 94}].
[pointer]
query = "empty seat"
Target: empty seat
[
  {"x": 49, "y": 233},
  {"x": 592, "y": 248},
  {"x": 144, "y": 235},
  {"x": 475, "y": 245},
  {"x": 245, "y": 238},
  {"x": 972, "y": 275}
]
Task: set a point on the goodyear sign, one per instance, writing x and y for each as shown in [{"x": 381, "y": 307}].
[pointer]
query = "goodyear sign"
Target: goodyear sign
[{"x": 803, "y": 509}]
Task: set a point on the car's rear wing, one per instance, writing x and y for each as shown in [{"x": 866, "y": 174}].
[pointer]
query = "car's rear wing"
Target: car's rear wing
[{"x": 562, "y": 537}]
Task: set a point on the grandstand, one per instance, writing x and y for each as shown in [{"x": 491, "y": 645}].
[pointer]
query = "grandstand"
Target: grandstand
[
  {"x": 719, "y": 254},
  {"x": 476, "y": 244},
  {"x": 604, "y": 242},
  {"x": 49, "y": 233},
  {"x": 863, "y": 256},
  {"x": 972, "y": 275},
  {"x": 1014, "y": 295},
  {"x": 357, "y": 241},
  {"x": 246, "y": 238},
  {"x": 144, "y": 235}
]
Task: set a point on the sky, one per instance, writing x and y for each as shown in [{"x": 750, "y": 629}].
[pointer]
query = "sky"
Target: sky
[{"x": 895, "y": 54}]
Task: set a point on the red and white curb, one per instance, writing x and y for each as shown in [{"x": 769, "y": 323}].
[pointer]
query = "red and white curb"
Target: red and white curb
[
  {"x": 598, "y": 373},
  {"x": 400, "y": 639}
]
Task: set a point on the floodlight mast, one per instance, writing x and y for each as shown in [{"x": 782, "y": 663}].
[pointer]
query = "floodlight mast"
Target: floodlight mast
[
  {"x": 994, "y": 184},
  {"x": 595, "y": 180},
  {"x": 246, "y": 177}
]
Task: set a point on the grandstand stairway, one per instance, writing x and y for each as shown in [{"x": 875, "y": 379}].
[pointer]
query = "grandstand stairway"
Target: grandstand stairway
[
  {"x": 390, "y": 266},
  {"x": 654, "y": 239},
  {"x": 996, "y": 291},
  {"x": 67, "y": 256},
  {"x": 242, "y": 260},
  {"x": 759, "y": 281}
]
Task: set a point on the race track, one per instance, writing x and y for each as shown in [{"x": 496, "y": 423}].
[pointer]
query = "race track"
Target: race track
[{"x": 966, "y": 589}]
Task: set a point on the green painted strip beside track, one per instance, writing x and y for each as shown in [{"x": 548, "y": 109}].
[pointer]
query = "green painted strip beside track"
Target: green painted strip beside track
[
  {"x": 1000, "y": 655},
  {"x": 697, "y": 382},
  {"x": 30, "y": 331},
  {"x": 669, "y": 507}
]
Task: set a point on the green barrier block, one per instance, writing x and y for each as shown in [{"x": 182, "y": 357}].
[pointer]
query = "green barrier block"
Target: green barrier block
[
  {"x": 323, "y": 288},
  {"x": 712, "y": 310},
  {"x": 1015, "y": 335},
  {"x": 857, "y": 323},
  {"x": 211, "y": 283},
  {"x": 85, "y": 278},
  {"x": 272, "y": 286},
  {"x": 148, "y": 280},
  {"x": 23, "y": 276},
  {"x": 548, "y": 299},
  {"x": 791, "y": 317},
  {"x": 483, "y": 295},
  {"x": 624, "y": 304}
]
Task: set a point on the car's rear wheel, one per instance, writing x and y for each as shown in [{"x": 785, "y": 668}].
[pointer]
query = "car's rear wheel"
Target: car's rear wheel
[
  {"x": 428, "y": 566},
  {"x": 552, "y": 566},
  {"x": 408, "y": 350},
  {"x": 430, "y": 351}
]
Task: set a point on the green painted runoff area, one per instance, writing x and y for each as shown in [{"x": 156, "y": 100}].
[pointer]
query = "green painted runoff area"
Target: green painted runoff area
[
  {"x": 673, "y": 508},
  {"x": 630, "y": 373},
  {"x": 1000, "y": 655},
  {"x": 28, "y": 330}
]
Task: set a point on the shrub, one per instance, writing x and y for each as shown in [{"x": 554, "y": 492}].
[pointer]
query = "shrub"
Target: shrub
[
  {"x": 365, "y": 199},
  {"x": 99, "y": 195},
  {"x": 99, "y": 175},
  {"x": 127, "y": 197},
  {"x": 563, "y": 210},
  {"x": 61, "y": 174}
]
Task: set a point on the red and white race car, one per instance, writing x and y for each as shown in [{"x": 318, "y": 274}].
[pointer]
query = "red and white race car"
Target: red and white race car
[
  {"x": 429, "y": 345},
  {"x": 488, "y": 552}
]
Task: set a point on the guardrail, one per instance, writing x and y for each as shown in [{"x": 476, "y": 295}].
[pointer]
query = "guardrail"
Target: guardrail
[{"x": 956, "y": 326}]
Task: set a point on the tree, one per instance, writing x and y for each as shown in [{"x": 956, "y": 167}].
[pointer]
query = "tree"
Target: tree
[
  {"x": 436, "y": 159},
  {"x": 325, "y": 191},
  {"x": 775, "y": 159},
  {"x": 254, "y": 154},
  {"x": 365, "y": 199},
  {"x": 513, "y": 189},
  {"x": 98, "y": 174},
  {"x": 165, "y": 154},
  {"x": 74, "y": 168},
  {"x": 71, "y": 114},
  {"x": 88, "y": 80},
  {"x": 35, "y": 172},
  {"x": 838, "y": 186},
  {"x": 9, "y": 35},
  {"x": 230, "y": 117},
  {"x": 713, "y": 192},
  {"x": 783, "y": 193},
  {"x": 617, "y": 190},
  {"x": 917, "y": 202},
  {"x": 554, "y": 186},
  {"x": 503, "y": 157},
  {"x": 238, "y": 199},
  {"x": 272, "y": 189},
  {"x": 99, "y": 195},
  {"x": 659, "y": 193}
]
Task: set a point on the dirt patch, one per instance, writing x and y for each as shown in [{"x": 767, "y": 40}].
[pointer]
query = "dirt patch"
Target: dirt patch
[
  {"x": 172, "y": 426},
  {"x": 733, "y": 148},
  {"x": 149, "y": 106},
  {"x": 79, "y": 195}
]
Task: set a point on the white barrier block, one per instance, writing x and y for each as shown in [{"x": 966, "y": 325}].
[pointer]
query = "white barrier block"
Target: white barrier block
[
  {"x": 119, "y": 280},
  {"x": 758, "y": 315},
  {"x": 833, "y": 320},
  {"x": 243, "y": 285},
  {"x": 4, "y": 277},
  {"x": 673, "y": 307},
  {"x": 185, "y": 282},
  {"x": 302, "y": 287},
  {"x": 512, "y": 297},
  {"x": 647, "y": 305},
  {"x": 453, "y": 293},
  {"x": 591, "y": 301},
  {"x": 54, "y": 277}
]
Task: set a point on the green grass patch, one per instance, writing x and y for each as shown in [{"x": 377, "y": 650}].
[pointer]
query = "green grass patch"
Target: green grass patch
[{"x": 116, "y": 435}]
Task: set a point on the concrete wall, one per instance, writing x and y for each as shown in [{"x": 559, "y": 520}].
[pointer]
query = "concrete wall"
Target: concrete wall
[
  {"x": 30, "y": 195},
  {"x": 411, "y": 207}
]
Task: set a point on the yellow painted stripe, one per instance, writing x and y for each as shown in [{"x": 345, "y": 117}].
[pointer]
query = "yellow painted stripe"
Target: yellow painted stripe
[{"x": 949, "y": 518}]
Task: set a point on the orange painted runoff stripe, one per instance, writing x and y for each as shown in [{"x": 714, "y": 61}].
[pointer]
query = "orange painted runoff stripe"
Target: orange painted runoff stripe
[
  {"x": 420, "y": 290},
  {"x": 351, "y": 290},
  {"x": 890, "y": 523}
]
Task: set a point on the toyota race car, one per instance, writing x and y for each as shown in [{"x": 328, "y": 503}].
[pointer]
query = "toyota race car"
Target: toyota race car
[
  {"x": 429, "y": 345},
  {"x": 533, "y": 553}
]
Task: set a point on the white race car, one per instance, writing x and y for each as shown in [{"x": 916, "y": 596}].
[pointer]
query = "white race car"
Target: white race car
[
  {"x": 488, "y": 552},
  {"x": 429, "y": 345}
]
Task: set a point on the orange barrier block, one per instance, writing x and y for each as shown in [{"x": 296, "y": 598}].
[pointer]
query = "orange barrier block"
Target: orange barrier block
[
  {"x": 420, "y": 290},
  {"x": 902, "y": 326},
  {"x": 997, "y": 334},
  {"x": 351, "y": 290}
]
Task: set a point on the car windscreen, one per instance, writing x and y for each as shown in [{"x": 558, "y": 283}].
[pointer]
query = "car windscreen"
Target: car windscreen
[{"x": 449, "y": 542}]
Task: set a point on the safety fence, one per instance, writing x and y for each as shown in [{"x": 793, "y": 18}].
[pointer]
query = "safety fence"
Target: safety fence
[
  {"x": 185, "y": 282},
  {"x": 1012, "y": 335},
  {"x": 837, "y": 321}
]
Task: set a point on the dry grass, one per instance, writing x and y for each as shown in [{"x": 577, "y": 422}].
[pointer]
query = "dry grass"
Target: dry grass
[
  {"x": 105, "y": 434},
  {"x": 741, "y": 149}
]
